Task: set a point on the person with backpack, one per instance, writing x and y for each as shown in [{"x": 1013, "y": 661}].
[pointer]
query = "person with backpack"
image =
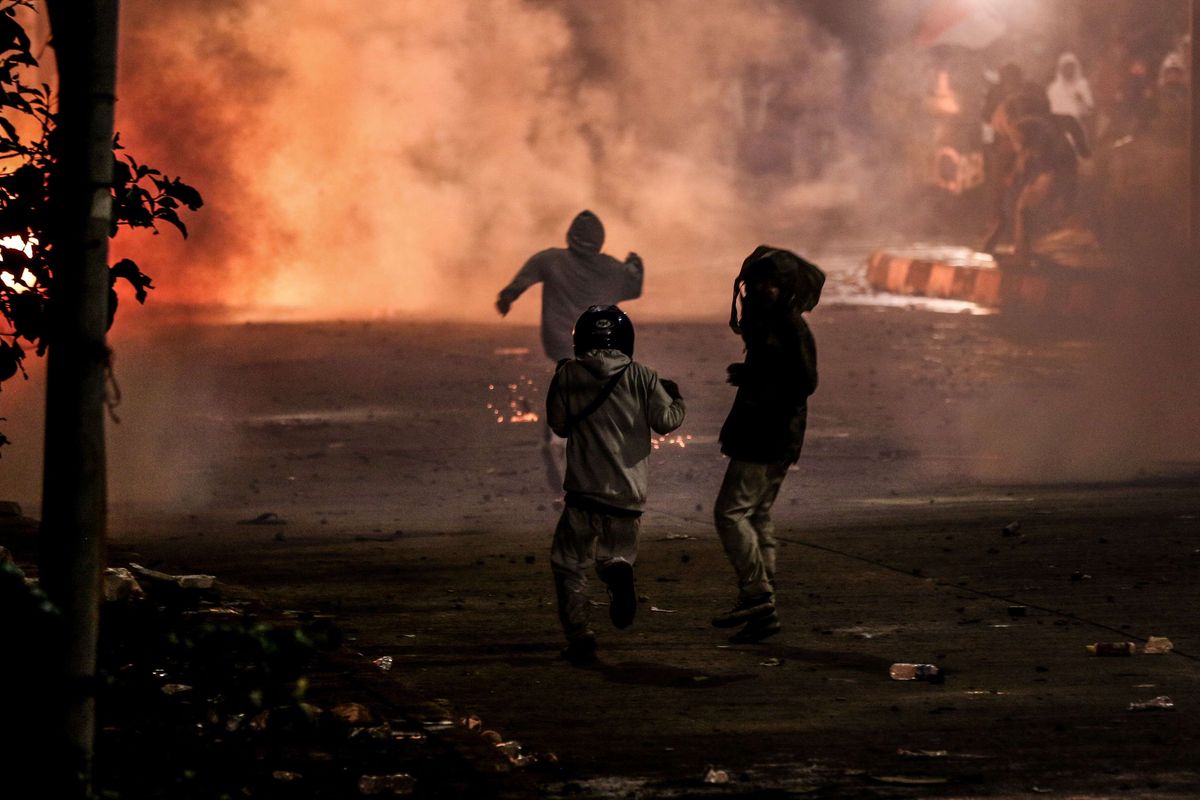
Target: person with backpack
[
  {"x": 764, "y": 431},
  {"x": 605, "y": 405}
]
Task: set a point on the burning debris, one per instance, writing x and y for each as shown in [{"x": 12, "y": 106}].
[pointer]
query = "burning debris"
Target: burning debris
[
  {"x": 517, "y": 406},
  {"x": 670, "y": 440}
]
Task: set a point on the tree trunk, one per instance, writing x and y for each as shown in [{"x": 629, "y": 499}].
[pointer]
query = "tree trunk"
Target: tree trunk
[
  {"x": 84, "y": 37},
  {"x": 1194, "y": 140}
]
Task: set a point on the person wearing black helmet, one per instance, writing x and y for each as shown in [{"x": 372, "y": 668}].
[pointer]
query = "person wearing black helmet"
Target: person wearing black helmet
[
  {"x": 605, "y": 405},
  {"x": 573, "y": 278},
  {"x": 764, "y": 432}
]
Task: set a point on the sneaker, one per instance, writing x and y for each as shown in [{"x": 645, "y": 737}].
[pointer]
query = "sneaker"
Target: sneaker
[
  {"x": 746, "y": 609},
  {"x": 622, "y": 597},
  {"x": 580, "y": 651},
  {"x": 757, "y": 629}
]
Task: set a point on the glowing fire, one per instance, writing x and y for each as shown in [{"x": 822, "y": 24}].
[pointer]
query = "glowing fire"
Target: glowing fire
[
  {"x": 27, "y": 280},
  {"x": 519, "y": 407},
  {"x": 668, "y": 441}
]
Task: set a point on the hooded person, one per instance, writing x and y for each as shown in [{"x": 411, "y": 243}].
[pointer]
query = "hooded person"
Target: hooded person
[
  {"x": 764, "y": 431},
  {"x": 573, "y": 279},
  {"x": 1070, "y": 93},
  {"x": 1170, "y": 122},
  {"x": 607, "y": 406}
]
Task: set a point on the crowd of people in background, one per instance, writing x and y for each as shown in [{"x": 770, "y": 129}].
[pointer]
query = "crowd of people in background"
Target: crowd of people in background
[
  {"x": 1039, "y": 139},
  {"x": 1130, "y": 89}
]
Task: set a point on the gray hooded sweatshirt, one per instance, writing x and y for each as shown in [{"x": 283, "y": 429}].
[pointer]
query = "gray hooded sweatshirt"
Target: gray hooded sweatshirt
[
  {"x": 574, "y": 278},
  {"x": 607, "y": 452}
]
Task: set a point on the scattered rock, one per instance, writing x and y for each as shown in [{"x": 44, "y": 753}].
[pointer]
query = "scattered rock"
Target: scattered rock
[
  {"x": 718, "y": 776},
  {"x": 355, "y": 714},
  {"x": 511, "y": 749},
  {"x": 117, "y": 584},
  {"x": 1160, "y": 703},
  {"x": 1158, "y": 645},
  {"x": 190, "y": 582},
  {"x": 922, "y": 753}
]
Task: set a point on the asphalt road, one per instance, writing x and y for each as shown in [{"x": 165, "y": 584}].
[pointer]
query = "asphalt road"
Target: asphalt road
[{"x": 423, "y": 521}]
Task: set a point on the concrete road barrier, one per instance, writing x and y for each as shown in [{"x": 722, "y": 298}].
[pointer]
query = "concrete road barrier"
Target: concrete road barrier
[{"x": 959, "y": 274}]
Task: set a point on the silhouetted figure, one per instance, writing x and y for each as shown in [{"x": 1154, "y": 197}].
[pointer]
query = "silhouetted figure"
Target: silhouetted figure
[
  {"x": 1070, "y": 93},
  {"x": 605, "y": 405},
  {"x": 764, "y": 432},
  {"x": 999, "y": 153},
  {"x": 573, "y": 278},
  {"x": 1011, "y": 81},
  {"x": 1039, "y": 188},
  {"x": 1171, "y": 116}
]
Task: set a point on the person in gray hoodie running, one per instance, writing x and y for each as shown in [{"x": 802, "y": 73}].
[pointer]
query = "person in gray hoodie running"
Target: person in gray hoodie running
[
  {"x": 605, "y": 404},
  {"x": 573, "y": 279}
]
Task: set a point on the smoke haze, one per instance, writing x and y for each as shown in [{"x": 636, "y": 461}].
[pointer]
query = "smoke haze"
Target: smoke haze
[
  {"x": 408, "y": 158},
  {"x": 405, "y": 159}
]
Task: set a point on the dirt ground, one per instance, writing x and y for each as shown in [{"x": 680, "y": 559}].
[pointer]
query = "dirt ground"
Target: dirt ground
[{"x": 417, "y": 510}]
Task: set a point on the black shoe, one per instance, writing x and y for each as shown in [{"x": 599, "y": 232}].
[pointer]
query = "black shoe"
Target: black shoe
[
  {"x": 747, "y": 608},
  {"x": 757, "y": 629},
  {"x": 622, "y": 597},
  {"x": 580, "y": 651}
]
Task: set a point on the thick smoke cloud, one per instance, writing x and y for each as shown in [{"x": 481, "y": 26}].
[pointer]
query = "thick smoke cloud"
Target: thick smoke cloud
[{"x": 407, "y": 157}]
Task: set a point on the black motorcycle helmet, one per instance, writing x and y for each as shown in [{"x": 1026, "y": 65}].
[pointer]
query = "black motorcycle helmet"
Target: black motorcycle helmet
[{"x": 603, "y": 328}]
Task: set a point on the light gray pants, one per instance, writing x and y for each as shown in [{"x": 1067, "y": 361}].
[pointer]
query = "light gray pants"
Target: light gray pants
[
  {"x": 581, "y": 538},
  {"x": 554, "y": 458},
  {"x": 743, "y": 517}
]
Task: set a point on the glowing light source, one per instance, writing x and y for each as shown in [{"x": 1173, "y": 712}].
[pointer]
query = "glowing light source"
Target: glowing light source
[
  {"x": 27, "y": 280},
  {"x": 15, "y": 242}
]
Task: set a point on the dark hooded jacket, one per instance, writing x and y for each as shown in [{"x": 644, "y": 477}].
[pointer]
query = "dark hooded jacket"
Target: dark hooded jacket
[
  {"x": 573, "y": 279},
  {"x": 770, "y": 412}
]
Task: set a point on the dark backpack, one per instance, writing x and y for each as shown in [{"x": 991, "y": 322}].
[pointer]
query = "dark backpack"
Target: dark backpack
[{"x": 800, "y": 280}]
